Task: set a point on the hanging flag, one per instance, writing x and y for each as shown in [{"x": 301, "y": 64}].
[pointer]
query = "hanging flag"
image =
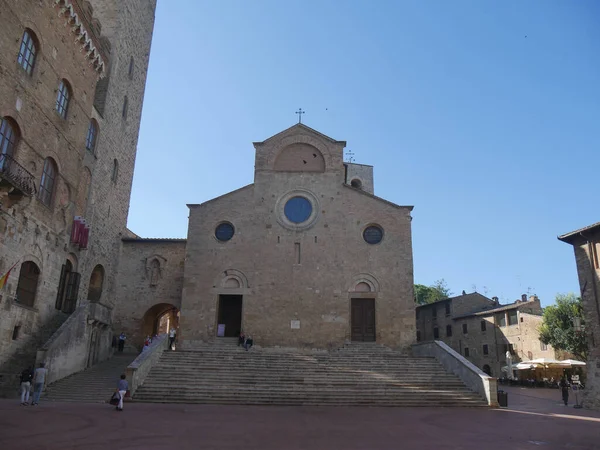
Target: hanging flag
[{"x": 4, "y": 279}]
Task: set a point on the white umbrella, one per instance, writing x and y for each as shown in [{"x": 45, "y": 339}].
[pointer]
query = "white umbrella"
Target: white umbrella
[
  {"x": 546, "y": 362},
  {"x": 520, "y": 366},
  {"x": 524, "y": 365},
  {"x": 573, "y": 363}
]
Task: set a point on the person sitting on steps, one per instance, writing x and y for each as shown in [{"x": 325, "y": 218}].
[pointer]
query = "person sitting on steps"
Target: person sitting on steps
[
  {"x": 241, "y": 339},
  {"x": 248, "y": 342}
]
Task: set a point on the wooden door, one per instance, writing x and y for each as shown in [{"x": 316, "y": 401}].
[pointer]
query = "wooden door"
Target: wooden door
[{"x": 363, "y": 319}]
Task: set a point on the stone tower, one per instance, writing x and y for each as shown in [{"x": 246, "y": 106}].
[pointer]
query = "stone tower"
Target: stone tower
[
  {"x": 127, "y": 27},
  {"x": 72, "y": 79}
]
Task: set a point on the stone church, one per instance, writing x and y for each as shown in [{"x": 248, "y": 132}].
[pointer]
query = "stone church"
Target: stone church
[{"x": 306, "y": 256}]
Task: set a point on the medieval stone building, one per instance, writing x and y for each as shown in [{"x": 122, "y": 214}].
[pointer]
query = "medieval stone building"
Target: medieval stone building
[
  {"x": 586, "y": 244},
  {"x": 306, "y": 256},
  {"x": 483, "y": 331},
  {"x": 72, "y": 79}
]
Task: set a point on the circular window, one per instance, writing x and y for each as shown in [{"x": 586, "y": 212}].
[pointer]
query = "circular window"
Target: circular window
[
  {"x": 356, "y": 183},
  {"x": 224, "y": 231},
  {"x": 297, "y": 209},
  {"x": 373, "y": 234}
]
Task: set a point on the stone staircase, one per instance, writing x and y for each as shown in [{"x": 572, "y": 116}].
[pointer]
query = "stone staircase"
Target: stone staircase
[
  {"x": 95, "y": 384},
  {"x": 357, "y": 374}
]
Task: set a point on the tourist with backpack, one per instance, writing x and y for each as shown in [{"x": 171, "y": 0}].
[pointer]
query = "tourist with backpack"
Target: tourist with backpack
[{"x": 26, "y": 379}]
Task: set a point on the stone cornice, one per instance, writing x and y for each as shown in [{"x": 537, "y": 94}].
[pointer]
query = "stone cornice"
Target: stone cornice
[{"x": 85, "y": 38}]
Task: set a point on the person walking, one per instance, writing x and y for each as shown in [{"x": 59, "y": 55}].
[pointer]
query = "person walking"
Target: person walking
[
  {"x": 172, "y": 334},
  {"x": 39, "y": 381},
  {"x": 122, "y": 339},
  {"x": 122, "y": 387},
  {"x": 564, "y": 387},
  {"x": 26, "y": 379}
]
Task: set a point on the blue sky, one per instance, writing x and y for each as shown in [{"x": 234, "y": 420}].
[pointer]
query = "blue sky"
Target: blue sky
[{"x": 484, "y": 115}]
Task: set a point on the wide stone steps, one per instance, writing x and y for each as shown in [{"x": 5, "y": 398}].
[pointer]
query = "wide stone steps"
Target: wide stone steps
[
  {"x": 95, "y": 384},
  {"x": 367, "y": 375}
]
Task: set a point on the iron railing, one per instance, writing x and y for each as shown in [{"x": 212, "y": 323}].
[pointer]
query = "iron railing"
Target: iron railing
[{"x": 17, "y": 175}]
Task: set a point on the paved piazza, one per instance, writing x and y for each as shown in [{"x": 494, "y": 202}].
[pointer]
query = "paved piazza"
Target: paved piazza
[{"x": 535, "y": 419}]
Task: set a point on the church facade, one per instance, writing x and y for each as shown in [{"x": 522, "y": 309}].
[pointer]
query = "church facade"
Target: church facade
[{"x": 306, "y": 256}]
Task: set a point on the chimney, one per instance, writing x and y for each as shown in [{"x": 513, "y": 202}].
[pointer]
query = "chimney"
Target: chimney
[
  {"x": 533, "y": 298},
  {"x": 496, "y": 301},
  {"x": 524, "y": 297},
  {"x": 464, "y": 293}
]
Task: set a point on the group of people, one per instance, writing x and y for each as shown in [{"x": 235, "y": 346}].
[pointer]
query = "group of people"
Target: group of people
[
  {"x": 32, "y": 383},
  {"x": 245, "y": 340}
]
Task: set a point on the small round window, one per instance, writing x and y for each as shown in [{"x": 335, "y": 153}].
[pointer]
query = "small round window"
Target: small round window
[
  {"x": 297, "y": 209},
  {"x": 224, "y": 232},
  {"x": 373, "y": 234}
]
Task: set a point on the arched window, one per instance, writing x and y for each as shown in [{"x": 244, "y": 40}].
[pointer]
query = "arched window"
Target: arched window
[
  {"x": 28, "y": 282},
  {"x": 27, "y": 52},
  {"x": 131, "y": 65},
  {"x": 96, "y": 282},
  {"x": 115, "y": 172},
  {"x": 48, "y": 182},
  {"x": 92, "y": 135},
  {"x": 62, "y": 98},
  {"x": 125, "y": 106},
  {"x": 8, "y": 138}
]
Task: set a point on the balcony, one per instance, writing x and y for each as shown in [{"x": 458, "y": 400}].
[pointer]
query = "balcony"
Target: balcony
[{"x": 14, "y": 178}]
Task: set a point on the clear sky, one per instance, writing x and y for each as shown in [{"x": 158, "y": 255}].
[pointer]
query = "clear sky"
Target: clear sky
[{"x": 483, "y": 115}]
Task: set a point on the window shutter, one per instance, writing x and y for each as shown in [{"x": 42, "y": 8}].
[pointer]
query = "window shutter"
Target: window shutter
[
  {"x": 72, "y": 292},
  {"x": 61, "y": 287}
]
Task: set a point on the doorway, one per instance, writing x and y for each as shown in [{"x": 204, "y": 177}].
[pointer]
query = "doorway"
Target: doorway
[
  {"x": 230, "y": 316},
  {"x": 363, "y": 319}
]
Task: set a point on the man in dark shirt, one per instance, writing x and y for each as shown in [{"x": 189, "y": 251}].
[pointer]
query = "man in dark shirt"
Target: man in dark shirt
[{"x": 26, "y": 379}]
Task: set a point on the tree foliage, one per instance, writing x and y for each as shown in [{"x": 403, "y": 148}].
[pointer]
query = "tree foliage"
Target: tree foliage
[
  {"x": 558, "y": 327},
  {"x": 429, "y": 294}
]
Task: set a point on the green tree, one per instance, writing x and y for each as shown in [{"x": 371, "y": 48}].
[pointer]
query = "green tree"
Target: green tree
[
  {"x": 429, "y": 294},
  {"x": 558, "y": 328}
]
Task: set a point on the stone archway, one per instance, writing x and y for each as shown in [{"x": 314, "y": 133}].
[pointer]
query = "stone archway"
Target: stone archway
[
  {"x": 96, "y": 284},
  {"x": 487, "y": 369},
  {"x": 159, "y": 319}
]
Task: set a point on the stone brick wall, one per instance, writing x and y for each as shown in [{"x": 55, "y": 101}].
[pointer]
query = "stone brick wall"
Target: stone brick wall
[
  {"x": 308, "y": 273},
  {"x": 142, "y": 294},
  {"x": 32, "y": 231},
  {"x": 589, "y": 280}
]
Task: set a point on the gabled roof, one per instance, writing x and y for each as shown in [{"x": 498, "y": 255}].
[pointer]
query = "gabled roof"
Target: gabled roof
[
  {"x": 487, "y": 312},
  {"x": 570, "y": 237},
  {"x": 148, "y": 240},
  {"x": 456, "y": 297},
  {"x": 194, "y": 205},
  {"x": 300, "y": 126},
  {"x": 374, "y": 197}
]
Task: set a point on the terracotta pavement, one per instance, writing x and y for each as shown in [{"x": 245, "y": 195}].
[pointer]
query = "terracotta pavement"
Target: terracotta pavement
[{"x": 535, "y": 419}]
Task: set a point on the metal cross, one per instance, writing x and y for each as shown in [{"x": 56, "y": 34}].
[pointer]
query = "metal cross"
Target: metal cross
[
  {"x": 300, "y": 112},
  {"x": 349, "y": 155}
]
